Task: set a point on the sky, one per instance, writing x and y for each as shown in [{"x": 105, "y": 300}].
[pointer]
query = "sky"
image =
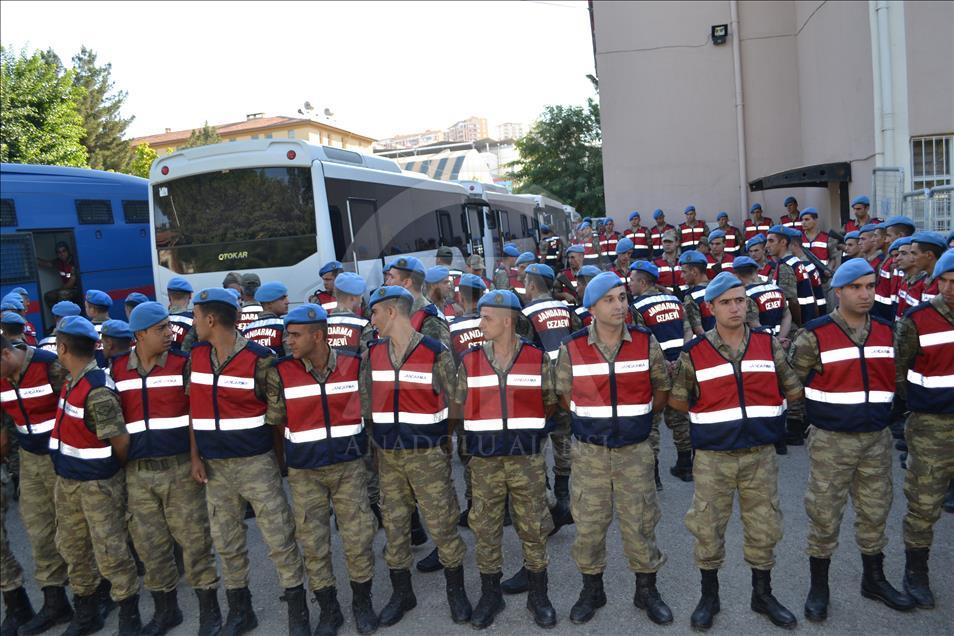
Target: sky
[{"x": 383, "y": 68}]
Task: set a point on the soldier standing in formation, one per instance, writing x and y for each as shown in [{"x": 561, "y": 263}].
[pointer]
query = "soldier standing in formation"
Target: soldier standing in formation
[
  {"x": 180, "y": 317},
  {"x": 268, "y": 330}
]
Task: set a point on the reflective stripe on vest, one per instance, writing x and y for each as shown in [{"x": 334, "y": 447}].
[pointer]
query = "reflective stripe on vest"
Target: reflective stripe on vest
[
  {"x": 930, "y": 380},
  {"x": 517, "y": 405},
  {"x": 76, "y": 451},
  {"x": 31, "y": 403}
]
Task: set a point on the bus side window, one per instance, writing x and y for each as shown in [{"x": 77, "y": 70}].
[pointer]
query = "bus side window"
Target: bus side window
[
  {"x": 449, "y": 235},
  {"x": 524, "y": 229}
]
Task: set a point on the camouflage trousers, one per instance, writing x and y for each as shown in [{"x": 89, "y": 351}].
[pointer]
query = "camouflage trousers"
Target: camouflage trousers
[
  {"x": 678, "y": 423},
  {"x": 344, "y": 486},
  {"x": 561, "y": 440},
  {"x": 604, "y": 478},
  {"x": 717, "y": 475},
  {"x": 371, "y": 468},
  {"x": 841, "y": 464},
  {"x": 424, "y": 476},
  {"x": 523, "y": 477},
  {"x": 91, "y": 535},
  {"x": 37, "y": 509},
  {"x": 166, "y": 505},
  {"x": 257, "y": 481},
  {"x": 930, "y": 440},
  {"x": 464, "y": 458},
  {"x": 11, "y": 574}
]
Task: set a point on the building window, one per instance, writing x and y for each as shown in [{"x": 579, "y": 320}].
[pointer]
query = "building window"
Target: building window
[
  {"x": 254, "y": 136},
  {"x": 291, "y": 134},
  {"x": 931, "y": 161},
  {"x": 268, "y": 135}
]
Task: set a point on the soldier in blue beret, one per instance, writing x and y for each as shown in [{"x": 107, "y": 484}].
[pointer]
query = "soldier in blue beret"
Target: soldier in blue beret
[
  {"x": 97, "y": 306},
  {"x": 60, "y": 310},
  {"x": 180, "y": 291},
  {"x": 565, "y": 287},
  {"x": 329, "y": 273},
  {"x": 792, "y": 217},
  {"x": 439, "y": 290},
  {"x": 132, "y": 300},
  {"x": 505, "y": 275},
  {"x": 12, "y": 325},
  {"x": 117, "y": 339},
  {"x": 268, "y": 329},
  {"x": 790, "y": 275},
  {"x": 408, "y": 273}
]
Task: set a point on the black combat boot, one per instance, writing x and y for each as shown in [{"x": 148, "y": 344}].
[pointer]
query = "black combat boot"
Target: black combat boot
[
  {"x": 430, "y": 563},
  {"x": 708, "y": 605},
  {"x": 104, "y": 598},
  {"x": 781, "y": 448},
  {"x": 365, "y": 620},
  {"x": 516, "y": 584},
  {"x": 592, "y": 597},
  {"x": 460, "y": 606},
  {"x": 86, "y": 616},
  {"x": 464, "y": 520},
  {"x": 418, "y": 535},
  {"x": 659, "y": 485},
  {"x": 210, "y": 616},
  {"x": 683, "y": 468},
  {"x": 875, "y": 586},
  {"x": 56, "y": 609},
  {"x": 402, "y": 598},
  {"x": 795, "y": 430},
  {"x": 330, "y": 618},
  {"x": 19, "y": 611},
  {"x": 916, "y": 582},
  {"x": 538, "y": 603},
  {"x": 647, "y": 598},
  {"x": 241, "y": 617},
  {"x": 167, "y": 614},
  {"x": 763, "y": 602},
  {"x": 130, "y": 624},
  {"x": 491, "y": 601},
  {"x": 299, "y": 623},
  {"x": 816, "y": 605},
  {"x": 562, "y": 515}
]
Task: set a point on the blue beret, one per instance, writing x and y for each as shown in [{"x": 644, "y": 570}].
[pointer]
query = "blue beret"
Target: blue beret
[
  {"x": 526, "y": 257},
  {"x": 66, "y": 308},
  {"x": 12, "y": 318},
  {"x": 350, "y": 283},
  {"x": 904, "y": 240},
  {"x": 234, "y": 293},
  {"x": 77, "y": 326},
  {"x": 722, "y": 215},
  {"x": 850, "y": 271},
  {"x": 511, "y": 250},
  {"x": 808, "y": 211},
  {"x": 645, "y": 266},
  {"x": 330, "y": 266},
  {"x": 780, "y": 230},
  {"x": 544, "y": 228},
  {"x": 501, "y": 298},
  {"x": 854, "y": 234},
  {"x": 21, "y": 291},
  {"x": 689, "y": 208},
  {"x": 146, "y": 315},
  {"x": 755, "y": 240},
  {"x": 624, "y": 245},
  {"x": 409, "y": 264},
  {"x": 899, "y": 220},
  {"x": 539, "y": 269},
  {"x": 793, "y": 233},
  {"x": 585, "y": 225},
  {"x": 657, "y": 213},
  {"x": 307, "y": 314},
  {"x": 634, "y": 215},
  {"x": 755, "y": 206},
  {"x": 597, "y": 288},
  {"x": 588, "y": 271},
  {"x": 216, "y": 295},
  {"x": 950, "y": 236},
  {"x": 473, "y": 281},
  {"x": 743, "y": 261},
  {"x": 931, "y": 238},
  {"x": 719, "y": 285},
  {"x": 179, "y": 284},
  {"x": 693, "y": 256},
  {"x": 868, "y": 227},
  {"x": 716, "y": 234},
  {"x": 575, "y": 249},
  {"x": 788, "y": 200},
  {"x": 436, "y": 275},
  {"x": 389, "y": 292},
  {"x": 587, "y": 219},
  {"x": 99, "y": 298},
  {"x": 861, "y": 200},
  {"x": 11, "y": 302},
  {"x": 944, "y": 264},
  {"x": 136, "y": 298},
  {"x": 116, "y": 329},
  {"x": 270, "y": 292}
]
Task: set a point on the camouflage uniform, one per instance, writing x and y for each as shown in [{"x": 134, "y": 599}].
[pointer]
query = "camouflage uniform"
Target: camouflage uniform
[
  {"x": 11, "y": 574},
  {"x": 843, "y": 463},
  {"x": 523, "y": 477},
  {"x": 91, "y": 515},
  {"x": 930, "y": 438},
  {"x": 753, "y": 472},
  {"x": 433, "y": 326},
  {"x": 343, "y": 485},
  {"x": 604, "y": 477}
]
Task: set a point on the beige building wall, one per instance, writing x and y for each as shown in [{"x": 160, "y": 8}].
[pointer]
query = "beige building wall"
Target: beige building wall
[{"x": 930, "y": 63}]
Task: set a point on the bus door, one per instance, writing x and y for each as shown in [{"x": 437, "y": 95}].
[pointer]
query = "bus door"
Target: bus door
[
  {"x": 20, "y": 267},
  {"x": 479, "y": 241},
  {"x": 365, "y": 246}
]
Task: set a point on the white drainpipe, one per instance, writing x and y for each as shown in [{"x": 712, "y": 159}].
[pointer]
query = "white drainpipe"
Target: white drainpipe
[
  {"x": 887, "y": 88},
  {"x": 739, "y": 106}
]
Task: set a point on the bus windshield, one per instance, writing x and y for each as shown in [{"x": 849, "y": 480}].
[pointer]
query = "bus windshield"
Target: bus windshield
[{"x": 235, "y": 219}]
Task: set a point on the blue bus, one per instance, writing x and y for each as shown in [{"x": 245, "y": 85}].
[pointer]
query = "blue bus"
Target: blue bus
[{"x": 59, "y": 224}]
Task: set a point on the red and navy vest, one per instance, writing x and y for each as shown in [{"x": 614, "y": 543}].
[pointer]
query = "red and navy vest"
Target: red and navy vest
[
  {"x": 655, "y": 238},
  {"x": 885, "y": 294},
  {"x": 75, "y": 450},
  {"x": 670, "y": 275},
  {"x": 689, "y": 235},
  {"x": 448, "y": 311},
  {"x": 930, "y": 380},
  {"x": 731, "y": 240},
  {"x": 227, "y": 417},
  {"x": 854, "y": 391},
  {"x": 818, "y": 290},
  {"x": 790, "y": 221},
  {"x": 550, "y": 320},
  {"x": 853, "y": 225},
  {"x": 611, "y": 403},
  {"x": 465, "y": 333},
  {"x": 267, "y": 331},
  {"x": 751, "y": 227},
  {"x": 247, "y": 315},
  {"x": 663, "y": 315},
  {"x": 504, "y": 412},
  {"x": 551, "y": 251},
  {"x": 422, "y": 314},
  {"x": 180, "y": 323},
  {"x": 698, "y": 294},
  {"x": 771, "y": 305},
  {"x": 29, "y": 334},
  {"x": 735, "y": 409},
  {"x": 608, "y": 245},
  {"x": 767, "y": 271},
  {"x": 31, "y": 403},
  {"x": 344, "y": 331},
  {"x": 803, "y": 288},
  {"x": 641, "y": 242},
  {"x": 584, "y": 315},
  {"x": 570, "y": 277},
  {"x": 155, "y": 407},
  {"x": 406, "y": 410},
  {"x": 324, "y": 424},
  {"x": 713, "y": 268},
  {"x": 326, "y": 300},
  {"x": 817, "y": 246}
]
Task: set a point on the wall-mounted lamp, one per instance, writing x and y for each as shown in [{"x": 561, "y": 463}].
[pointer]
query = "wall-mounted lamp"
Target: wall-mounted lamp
[{"x": 719, "y": 33}]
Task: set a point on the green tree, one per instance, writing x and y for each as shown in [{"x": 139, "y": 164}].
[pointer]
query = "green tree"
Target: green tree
[
  {"x": 204, "y": 136},
  {"x": 100, "y": 108},
  {"x": 562, "y": 156},
  {"x": 39, "y": 118},
  {"x": 143, "y": 157}
]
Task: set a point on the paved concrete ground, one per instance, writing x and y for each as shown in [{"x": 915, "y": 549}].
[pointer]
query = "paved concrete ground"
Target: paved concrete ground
[{"x": 678, "y": 580}]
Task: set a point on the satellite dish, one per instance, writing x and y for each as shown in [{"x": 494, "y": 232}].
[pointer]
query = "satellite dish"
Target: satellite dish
[
  {"x": 308, "y": 106},
  {"x": 328, "y": 113}
]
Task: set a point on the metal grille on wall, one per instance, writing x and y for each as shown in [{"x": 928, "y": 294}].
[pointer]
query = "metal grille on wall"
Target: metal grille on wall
[
  {"x": 887, "y": 192},
  {"x": 930, "y": 209}
]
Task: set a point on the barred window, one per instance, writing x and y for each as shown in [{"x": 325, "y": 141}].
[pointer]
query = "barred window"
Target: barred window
[
  {"x": 8, "y": 213},
  {"x": 94, "y": 211},
  {"x": 931, "y": 161},
  {"x": 136, "y": 211}
]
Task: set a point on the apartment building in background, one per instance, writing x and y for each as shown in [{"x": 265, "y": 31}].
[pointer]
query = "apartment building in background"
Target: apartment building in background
[{"x": 470, "y": 129}]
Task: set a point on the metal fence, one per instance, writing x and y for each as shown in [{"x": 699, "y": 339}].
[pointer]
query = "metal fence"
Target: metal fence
[
  {"x": 930, "y": 209},
  {"x": 887, "y": 192}
]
